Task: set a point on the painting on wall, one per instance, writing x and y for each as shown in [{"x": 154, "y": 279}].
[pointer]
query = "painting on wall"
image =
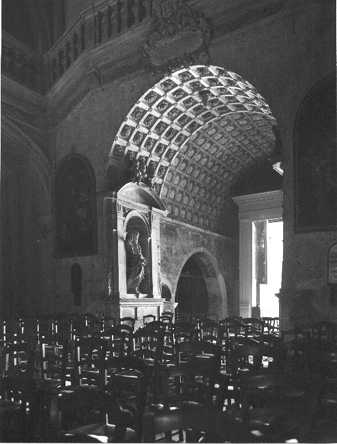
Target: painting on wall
[
  {"x": 75, "y": 194},
  {"x": 316, "y": 161}
]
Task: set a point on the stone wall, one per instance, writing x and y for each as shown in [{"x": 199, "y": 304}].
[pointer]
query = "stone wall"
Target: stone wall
[{"x": 180, "y": 242}]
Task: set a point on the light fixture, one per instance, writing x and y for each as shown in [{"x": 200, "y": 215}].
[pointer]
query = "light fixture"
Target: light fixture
[{"x": 278, "y": 167}]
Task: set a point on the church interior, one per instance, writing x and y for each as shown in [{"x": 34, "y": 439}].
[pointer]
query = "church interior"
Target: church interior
[{"x": 168, "y": 266}]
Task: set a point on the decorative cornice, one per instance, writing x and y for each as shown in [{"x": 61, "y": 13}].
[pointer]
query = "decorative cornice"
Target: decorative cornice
[
  {"x": 178, "y": 35},
  {"x": 254, "y": 205}
]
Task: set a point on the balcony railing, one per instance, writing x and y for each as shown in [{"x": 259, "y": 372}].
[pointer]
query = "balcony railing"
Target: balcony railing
[
  {"x": 21, "y": 63},
  {"x": 96, "y": 25}
]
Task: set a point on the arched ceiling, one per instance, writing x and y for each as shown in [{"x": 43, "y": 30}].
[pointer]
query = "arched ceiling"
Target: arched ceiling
[{"x": 200, "y": 128}]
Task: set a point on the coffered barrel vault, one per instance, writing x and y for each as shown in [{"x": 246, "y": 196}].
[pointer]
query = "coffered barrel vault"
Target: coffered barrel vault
[{"x": 200, "y": 129}]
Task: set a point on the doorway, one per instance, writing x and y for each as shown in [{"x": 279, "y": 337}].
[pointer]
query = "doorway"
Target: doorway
[
  {"x": 191, "y": 294},
  {"x": 260, "y": 253},
  {"x": 267, "y": 248}
]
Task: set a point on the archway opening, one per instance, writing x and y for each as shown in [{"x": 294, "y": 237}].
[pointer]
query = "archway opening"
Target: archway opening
[
  {"x": 199, "y": 131},
  {"x": 191, "y": 294}
]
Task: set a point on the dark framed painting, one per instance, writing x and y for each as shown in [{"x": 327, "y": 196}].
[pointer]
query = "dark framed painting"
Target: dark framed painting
[
  {"x": 315, "y": 157},
  {"x": 75, "y": 208}
]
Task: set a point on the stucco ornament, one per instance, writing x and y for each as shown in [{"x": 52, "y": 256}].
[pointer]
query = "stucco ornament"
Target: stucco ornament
[{"x": 178, "y": 34}]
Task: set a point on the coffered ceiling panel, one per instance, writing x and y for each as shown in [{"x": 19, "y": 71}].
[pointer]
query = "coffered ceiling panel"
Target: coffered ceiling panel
[{"x": 199, "y": 128}]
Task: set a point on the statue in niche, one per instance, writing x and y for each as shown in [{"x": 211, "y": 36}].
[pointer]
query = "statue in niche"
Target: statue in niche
[{"x": 135, "y": 262}]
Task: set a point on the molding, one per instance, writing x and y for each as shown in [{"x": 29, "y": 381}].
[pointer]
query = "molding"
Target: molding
[
  {"x": 201, "y": 230},
  {"x": 260, "y": 205}
]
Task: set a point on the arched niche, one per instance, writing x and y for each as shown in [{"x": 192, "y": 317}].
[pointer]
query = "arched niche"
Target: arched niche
[
  {"x": 138, "y": 256},
  {"x": 75, "y": 208}
]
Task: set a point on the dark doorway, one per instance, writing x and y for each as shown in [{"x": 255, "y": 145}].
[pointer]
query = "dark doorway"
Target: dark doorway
[{"x": 191, "y": 294}]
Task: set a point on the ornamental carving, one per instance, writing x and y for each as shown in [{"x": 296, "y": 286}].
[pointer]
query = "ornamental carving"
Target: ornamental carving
[{"x": 178, "y": 34}]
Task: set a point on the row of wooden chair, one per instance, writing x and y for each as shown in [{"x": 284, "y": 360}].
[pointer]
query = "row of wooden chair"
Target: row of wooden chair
[{"x": 136, "y": 385}]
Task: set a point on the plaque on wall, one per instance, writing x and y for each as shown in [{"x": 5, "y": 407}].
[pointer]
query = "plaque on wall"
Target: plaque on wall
[{"x": 332, "y": 265}]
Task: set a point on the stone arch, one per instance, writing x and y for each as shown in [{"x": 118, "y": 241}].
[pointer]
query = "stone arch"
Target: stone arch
[
  {"x": 198, "y": 129},
  {"x": 75, "y": 207},
  {"x": 15, "y": 135},
  {"x": 214, "y": 281},
  {"x": 315, "y": 160}
]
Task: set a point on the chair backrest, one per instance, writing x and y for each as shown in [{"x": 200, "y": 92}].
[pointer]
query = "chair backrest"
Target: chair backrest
[
  {"x": 246, "y": 358},
  {"x": 128, "y": 321},
  {"x": 127, "y": 382},
  {"x": 89, "y": 361},
  {"x": 18, "y": 361},
  {"x": 53, "y": 362},
  {"x": 118, "y": 342},
  {"x": 232, "y": 327},
  {"x": 184, "y": 332},
  {"x": 168, "y": 314},
  {"x": 271, "y": 325},
  {"x": 253, "y": 327},
  {"x": 148, "y": 318},
  {"x": 209, "y": 331},
  {"x": 165, "y": 319},
  {"x": 147, "y": 345}
]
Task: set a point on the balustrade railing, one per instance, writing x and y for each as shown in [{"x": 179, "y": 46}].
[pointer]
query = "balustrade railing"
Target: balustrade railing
[
  {"x": 21, "y": 63},
  {"x": 96, "y": 25}
]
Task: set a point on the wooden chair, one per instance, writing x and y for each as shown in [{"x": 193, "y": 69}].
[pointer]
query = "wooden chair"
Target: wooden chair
[
  {"x": 127, "y": 381},
  {"x": 19, "y": 392}
]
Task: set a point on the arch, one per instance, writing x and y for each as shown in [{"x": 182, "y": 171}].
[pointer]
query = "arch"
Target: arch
[
  {"x": 14, "y": 133},
  {"x": 198, "y": 129},
  {"x": 140, "y": 193},
  {"x": 214, "y": 281},
  {"x": 315, "y": 160},
  {"x": 75, "y": 207}
]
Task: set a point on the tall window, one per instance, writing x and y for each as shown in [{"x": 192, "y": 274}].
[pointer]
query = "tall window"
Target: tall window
[{"x": 75, "y": 199}]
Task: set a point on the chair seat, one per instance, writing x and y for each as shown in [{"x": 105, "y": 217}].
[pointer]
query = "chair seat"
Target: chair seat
[{"x": 105, "y": 433}]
